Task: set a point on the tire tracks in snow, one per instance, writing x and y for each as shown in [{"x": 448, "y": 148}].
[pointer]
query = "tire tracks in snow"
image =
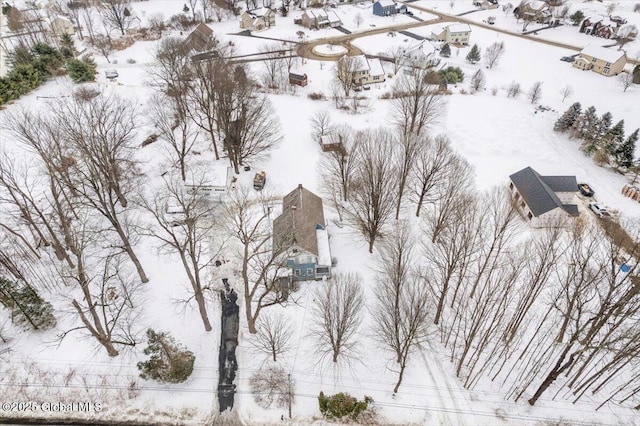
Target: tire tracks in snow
[{"x": 451, "y": 413}]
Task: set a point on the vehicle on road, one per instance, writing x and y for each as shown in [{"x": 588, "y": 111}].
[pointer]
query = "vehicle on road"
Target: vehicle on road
[
  {"x": 410, "y": 13},
  {"x": 567, "y": 58},
  {"x": 491, "y": 20},
  {"x": 259, "y": 180},
  {"x": 586, "y": 190},
  {"x": 600, "y": 211}
]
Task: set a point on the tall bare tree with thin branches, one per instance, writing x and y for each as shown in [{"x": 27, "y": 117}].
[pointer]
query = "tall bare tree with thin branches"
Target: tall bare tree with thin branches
[
  {"x": 338, "y": 315},
  {"x": 416, "y": 104}
]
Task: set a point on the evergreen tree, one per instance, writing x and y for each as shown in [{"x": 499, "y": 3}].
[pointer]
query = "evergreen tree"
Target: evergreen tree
[
  {"x": 81, "y": 70},
  {"x": 27, "y": 307},
  {"x": 169, "y": 362},
  {"x": 474, "y": 54},
  {"x": 614, "y": 140},
  {"x": 624, "y": 158},
  {"x": 604, "y": 125},
  {"x": 445, "y": 50},
  {"x": 569, "y": 117},
  {"x": 67, "y": 47},
  {"x": 585, "y": 128},
  {"x": 577, "y": 17}
]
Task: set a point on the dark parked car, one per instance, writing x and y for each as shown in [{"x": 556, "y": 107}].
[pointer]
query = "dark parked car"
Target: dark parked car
[
  {"x": 585, "y": 190},
  {"x": 567, "y": 58},
  {"x": 410, "y": 13}
]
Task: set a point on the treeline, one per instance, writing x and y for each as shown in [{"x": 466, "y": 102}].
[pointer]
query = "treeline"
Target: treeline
[{"x": 603, "y": 141}]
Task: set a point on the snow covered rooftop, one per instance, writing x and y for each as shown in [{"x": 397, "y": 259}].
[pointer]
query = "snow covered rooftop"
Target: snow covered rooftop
[
  {"x": 375, "y": 67},
  {"x": 386, "y": 3},
  {"x": 602, "y": 53},
  {"x": 217, "y": 175},
  {"x": 459, "y": 28},
  {"x": 261, "y": 11},
  {"x": 324, "y": 251}
]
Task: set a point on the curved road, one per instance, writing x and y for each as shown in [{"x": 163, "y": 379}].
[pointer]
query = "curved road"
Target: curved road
[{"x": 305, "y": 49}]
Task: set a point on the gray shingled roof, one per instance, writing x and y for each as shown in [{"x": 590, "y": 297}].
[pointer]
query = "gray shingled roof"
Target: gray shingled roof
[
  {"x": 537, "y": 191},
  {"x": 301, "y": 213}
]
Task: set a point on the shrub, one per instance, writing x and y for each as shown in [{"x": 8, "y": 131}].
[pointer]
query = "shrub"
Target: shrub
[
  {"x": 169, "y": 362},
  {"x": 452, "y": 75},
  {"x": 26, "y": 306},
  {"x": 577, "y": 17},
  {"x": 131, "y": 61},
  {"x": 82, "y": 70},
  {"x": 316, "y": 96},
  {"x": 342, "y": 405}
]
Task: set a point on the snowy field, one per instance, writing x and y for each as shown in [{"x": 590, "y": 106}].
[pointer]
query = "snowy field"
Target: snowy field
[{"x": 497, "y": 135}]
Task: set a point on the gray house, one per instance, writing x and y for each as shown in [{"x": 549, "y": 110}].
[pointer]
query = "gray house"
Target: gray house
[
  {"x": 543, "y": 200},
  {"x": 300, "y": 236}
]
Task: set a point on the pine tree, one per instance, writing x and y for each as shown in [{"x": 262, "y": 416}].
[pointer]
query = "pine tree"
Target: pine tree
[
  {"x": 624, "y": 158},
  {"x": 445, "y": 50},
  {"x": 604, "y": 125},
  {"x": 67, "y": 47},
  {"x": 585, "y": 127},
  {"x": 474, "y": 54},
  {"x": 569, "y": 117},
  {"x": 614, "y": 140},
  {"x": 169, "y": 362},
  {"x": 81, "y": 70}
]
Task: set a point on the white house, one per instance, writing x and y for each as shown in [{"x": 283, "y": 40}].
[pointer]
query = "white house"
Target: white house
[
  {"x": 420, "y": 54},
  {"x": 544, "y": 200}
]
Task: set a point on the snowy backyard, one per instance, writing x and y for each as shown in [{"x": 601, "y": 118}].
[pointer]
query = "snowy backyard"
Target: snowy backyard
[{"x": 503, "y": 312}]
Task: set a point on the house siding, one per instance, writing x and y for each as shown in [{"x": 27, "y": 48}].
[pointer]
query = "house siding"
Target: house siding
[{"x": 586, "y": 62}]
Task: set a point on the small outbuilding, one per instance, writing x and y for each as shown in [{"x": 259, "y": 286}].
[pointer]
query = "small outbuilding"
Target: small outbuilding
[{"x": 298, "y": 78}]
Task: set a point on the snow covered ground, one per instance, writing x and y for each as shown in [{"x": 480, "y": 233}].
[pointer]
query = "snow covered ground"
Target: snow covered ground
[{"x": 496, "y": 134}]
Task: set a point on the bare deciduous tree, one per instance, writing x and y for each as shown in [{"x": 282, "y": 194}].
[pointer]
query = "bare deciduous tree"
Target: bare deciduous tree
[
  {"x": 338, "y": 314},
  {"x": 358, "y": 20},
  {"x": 171, "y": 122},
  {"x": 566, "y": 92},
  {"x": 452, "y": 195},
  {"x": 273, "y": 387},
  {"x": 274, "y": 335},
  {"x": 478, "y": 81},
  {"x": 430, "y": 170},
  {"x": 625, "y": 79},
  {"x": 116, "y": 14},
  {"x": 402, "y": 301},
  {"x": 493, "y": 54},
  {"x": 407, "y": 152},
  {"x": 535, "y": 93},
  {"x": 274, "y": 65},
  {"x": 345, "y": 69},
  {"x": 513, "y": 90},
  {"x": 248, "y": 220},
  {"x": 189, "y": 232},
  {"x": 253, "y": 133},
  {"x": 321, "y": 124},
  {"x": 371, "y": 203},
  {"x": 416, "y": 104}
]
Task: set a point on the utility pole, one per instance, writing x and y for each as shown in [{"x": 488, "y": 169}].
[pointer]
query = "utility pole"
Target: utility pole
[{"x": 289, "y": 395}]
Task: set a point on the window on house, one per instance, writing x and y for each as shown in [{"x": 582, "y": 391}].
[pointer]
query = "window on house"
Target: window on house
[
  {"x": 511, "y": 185},
  {"x": 296, "y": 272},
  {"x": 295, "y": 250},
  {"x": 309, "y": 271},
  {"x": 608, "y": 64},
  {"x": 322, "y": 270},
  {"x": 522, "y": 204},
  {"x": 530, "y": 216},
  {"x": 517, "y": 196}
]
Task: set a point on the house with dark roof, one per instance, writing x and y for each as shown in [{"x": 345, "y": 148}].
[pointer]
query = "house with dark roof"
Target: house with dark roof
[
  {"x": 543, "y": 200},
  {"x": 201, "y": 38},
  {"x": 300, "y": 236}
]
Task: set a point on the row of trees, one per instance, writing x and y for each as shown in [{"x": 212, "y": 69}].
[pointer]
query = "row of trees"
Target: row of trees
[{"x": 604, "y": 141}]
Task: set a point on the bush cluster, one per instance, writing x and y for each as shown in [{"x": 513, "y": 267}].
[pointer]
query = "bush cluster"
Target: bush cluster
[
  {"x": 26, "y": 306},
  {"x": 342, "y": 405}
]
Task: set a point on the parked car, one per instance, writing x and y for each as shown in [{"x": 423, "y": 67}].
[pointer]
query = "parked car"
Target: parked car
[
  {"x": 567, "y": 58},
  {"x": 491, "y": 20},
  {"x": 111, "y": 74},
  {"x": 410, "y": 13},
  {"x": 599, "y": 210},
  {"x": 586, "y": 190},
  {"x": 259, "y": 180}
]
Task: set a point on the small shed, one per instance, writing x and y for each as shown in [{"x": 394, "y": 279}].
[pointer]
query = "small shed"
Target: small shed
[{"x": 298, "y": 78}]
